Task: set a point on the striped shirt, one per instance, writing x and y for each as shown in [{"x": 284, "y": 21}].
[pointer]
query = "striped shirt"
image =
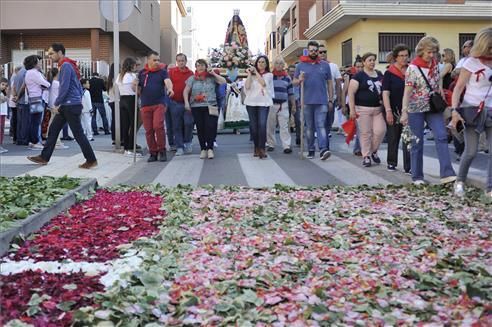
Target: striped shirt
[{"x": 283, "y": 88}]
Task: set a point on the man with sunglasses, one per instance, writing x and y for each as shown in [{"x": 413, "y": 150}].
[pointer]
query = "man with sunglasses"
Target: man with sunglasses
[{"x": 318, "y": 98}]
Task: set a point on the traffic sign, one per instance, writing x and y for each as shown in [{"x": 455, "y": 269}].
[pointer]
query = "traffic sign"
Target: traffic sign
[{"x": 125, "y": 8}]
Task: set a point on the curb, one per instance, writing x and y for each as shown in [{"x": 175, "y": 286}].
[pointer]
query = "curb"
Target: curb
[{"x": 35, "y": 221}]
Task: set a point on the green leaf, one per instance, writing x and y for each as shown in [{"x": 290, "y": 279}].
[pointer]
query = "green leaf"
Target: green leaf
[{"x": 65, "y": 306}]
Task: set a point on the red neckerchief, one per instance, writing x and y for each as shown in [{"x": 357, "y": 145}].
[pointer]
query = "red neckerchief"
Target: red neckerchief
[
  {"x": 279, "y": 73},
  {"x": 419, "y": 62},
  {"x": 485, "y": 58},
  {"x": 309, "y": 60},
  {"x": 201, "y": 76},
  {"x": 148, "y": 70},
  {"x": 397, "y": 72},
  {"x": 71, "y": 62}
]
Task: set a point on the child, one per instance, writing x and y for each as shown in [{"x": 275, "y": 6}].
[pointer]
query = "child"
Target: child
[
  {"x": 86, "y": 118},
  {"x": 52, "y": 95},
  {"x": 3, "y": 110}
]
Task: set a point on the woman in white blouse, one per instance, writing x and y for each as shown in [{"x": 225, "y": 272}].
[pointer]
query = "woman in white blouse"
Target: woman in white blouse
[
  {"x": 126, "y": 85},
  {"x": 259, "y": 97},
  {"x": 476, "y": 107}
]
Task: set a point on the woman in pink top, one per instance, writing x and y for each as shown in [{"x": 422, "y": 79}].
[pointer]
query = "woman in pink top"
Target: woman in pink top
[{"x": 36, "y": 83}]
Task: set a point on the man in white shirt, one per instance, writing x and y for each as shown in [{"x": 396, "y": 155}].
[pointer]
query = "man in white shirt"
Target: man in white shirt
[
  {"x": 337, "y": 88},
  {"x": 465, "y": 51}
]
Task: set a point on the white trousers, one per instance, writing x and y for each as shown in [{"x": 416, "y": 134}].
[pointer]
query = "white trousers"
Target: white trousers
[
  {"x": 279, "y": 113},
  {"x": 86, "y": 121}
]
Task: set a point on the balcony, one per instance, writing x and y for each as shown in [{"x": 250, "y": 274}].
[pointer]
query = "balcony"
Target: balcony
[{"x": 347, "y": 12}]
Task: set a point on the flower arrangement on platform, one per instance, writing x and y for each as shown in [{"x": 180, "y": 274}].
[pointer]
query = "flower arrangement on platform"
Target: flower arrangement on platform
[{"x": 230, "y": 56}]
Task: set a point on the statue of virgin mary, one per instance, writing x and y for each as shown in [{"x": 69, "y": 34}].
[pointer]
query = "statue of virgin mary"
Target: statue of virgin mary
[{"x": 236, "y": 32}]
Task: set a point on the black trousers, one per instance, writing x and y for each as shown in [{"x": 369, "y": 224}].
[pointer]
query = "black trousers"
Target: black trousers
[
  {"x": 13, "y": 123},
  {"x": 70, "y": 115},
  {"x": 393, "y": 134},
  {"x": 127, "y": 110},
  {"x": 206, "y": 127}
]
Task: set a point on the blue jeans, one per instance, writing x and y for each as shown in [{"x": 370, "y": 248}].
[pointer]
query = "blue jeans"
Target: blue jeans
[
  {"x": 315, "y": 118},
  {"x": 35, "y": 128},
  {"x": 182, "y": 124},
  {"x": 70, "y": 115},
  {"x": 330, "y": 118},
  {"x": 102, "y": 111},
  {"x": 23, "y": 124},
  {"x": 169, "y": 128},
  {"x": 258, "y": 117},
  {"x": 417, "y": 122}
]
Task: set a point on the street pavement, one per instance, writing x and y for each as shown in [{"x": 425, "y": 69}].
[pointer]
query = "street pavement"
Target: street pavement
[{"x": 233, "y": 165}]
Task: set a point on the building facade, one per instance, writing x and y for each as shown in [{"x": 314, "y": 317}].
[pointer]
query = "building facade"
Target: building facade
[
  {"x": 171, "y": 29},
  {"x": 189, "y": 39},
  {"x": 352, "y": 27},
  {"x": 30, "y": 27}
]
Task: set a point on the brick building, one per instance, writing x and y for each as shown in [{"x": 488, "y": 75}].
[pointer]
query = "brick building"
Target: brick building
[{"x": 30, "y": 26}]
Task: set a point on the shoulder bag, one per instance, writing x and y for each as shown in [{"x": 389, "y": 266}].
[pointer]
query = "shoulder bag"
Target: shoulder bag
[
  {"x": 436, "y": 102},
  {"x": 475, "y": 116}
]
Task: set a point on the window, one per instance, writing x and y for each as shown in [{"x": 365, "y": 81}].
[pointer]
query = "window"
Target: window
[
  {"x": 328, "y": 5},
  {"x": 347, "y": 53},
  {"x": 273, "y": 38},
  {"x": 463, "y": 37},
  {"x": 294, "y": 18},
  {"x": 152, "y": 11},
  {"x": 388, "y": 40}
]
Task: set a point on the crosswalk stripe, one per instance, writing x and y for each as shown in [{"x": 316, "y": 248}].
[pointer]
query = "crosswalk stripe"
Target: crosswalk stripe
[
  {"x": 348, "y": 173},
  {"x": 181, "y": 170},
  {"x": 109, "y": 166},
  {"x": 262, "y": 173}
]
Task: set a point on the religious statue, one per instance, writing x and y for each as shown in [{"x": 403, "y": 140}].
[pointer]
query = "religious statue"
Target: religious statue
[{"x": 236, "y": 32}]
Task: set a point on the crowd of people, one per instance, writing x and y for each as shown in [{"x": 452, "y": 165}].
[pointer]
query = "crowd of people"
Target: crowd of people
[{"x": 413, "y": 96}]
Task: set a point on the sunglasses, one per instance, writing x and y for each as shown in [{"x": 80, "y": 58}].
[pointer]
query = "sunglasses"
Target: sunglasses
[{"x": 322, "y": 51}]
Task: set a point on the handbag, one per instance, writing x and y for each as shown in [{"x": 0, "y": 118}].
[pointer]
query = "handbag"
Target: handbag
[
  {"x": 36, "y": 105},
  {"x": 213, "y": 111},
  {"x": 475, "y": 116},
  {"x": 436, "y": 101}
]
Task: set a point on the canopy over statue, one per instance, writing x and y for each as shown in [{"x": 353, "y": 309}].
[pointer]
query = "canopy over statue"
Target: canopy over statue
[{"x": 236, "y": 32}]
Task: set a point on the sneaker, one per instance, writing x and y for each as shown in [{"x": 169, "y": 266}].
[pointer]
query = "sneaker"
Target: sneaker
[
  {"x": 203, "y": 154},
  {"x": 162, "y": 156},
  {"x": 366, "y": 162},
  {"x": 216, "y": 145},
  {"x": 418, "y": 182},
  {"x": 210, "y": 154},
  {"x": 129, "y": 153},
  {"x": 325, "y": 154},
  {"x": 61, "y": 146},
  {"x": 3, "y": 150},
  {"x": 38, "y": 160},
  {"x": 36, "y": 146},
  {"x": 288, "y": 150},
  {"x": 310, "y": 155},
  {"x": 92, "y": 140},
  {"x": 448, "y": 179},
  {"x": 270, "y": 148},
  {"x": 107, "y": 133},
  {"x": 173, "y": 148},
  {"x": 188, "y": 148},
  {"x": 358, "y": 153},
  {"x": 459, "y": 189},
  {"x": 391, "y": 168},
  {"x": 179, "y": 152},
  {"x": 408, "y": 172},
  {"x": 152, "y": 158},
  {"x": 375, "y": 158},
  {"x": 88, "y": 165},
  {"x": 68, "y": 138}
]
